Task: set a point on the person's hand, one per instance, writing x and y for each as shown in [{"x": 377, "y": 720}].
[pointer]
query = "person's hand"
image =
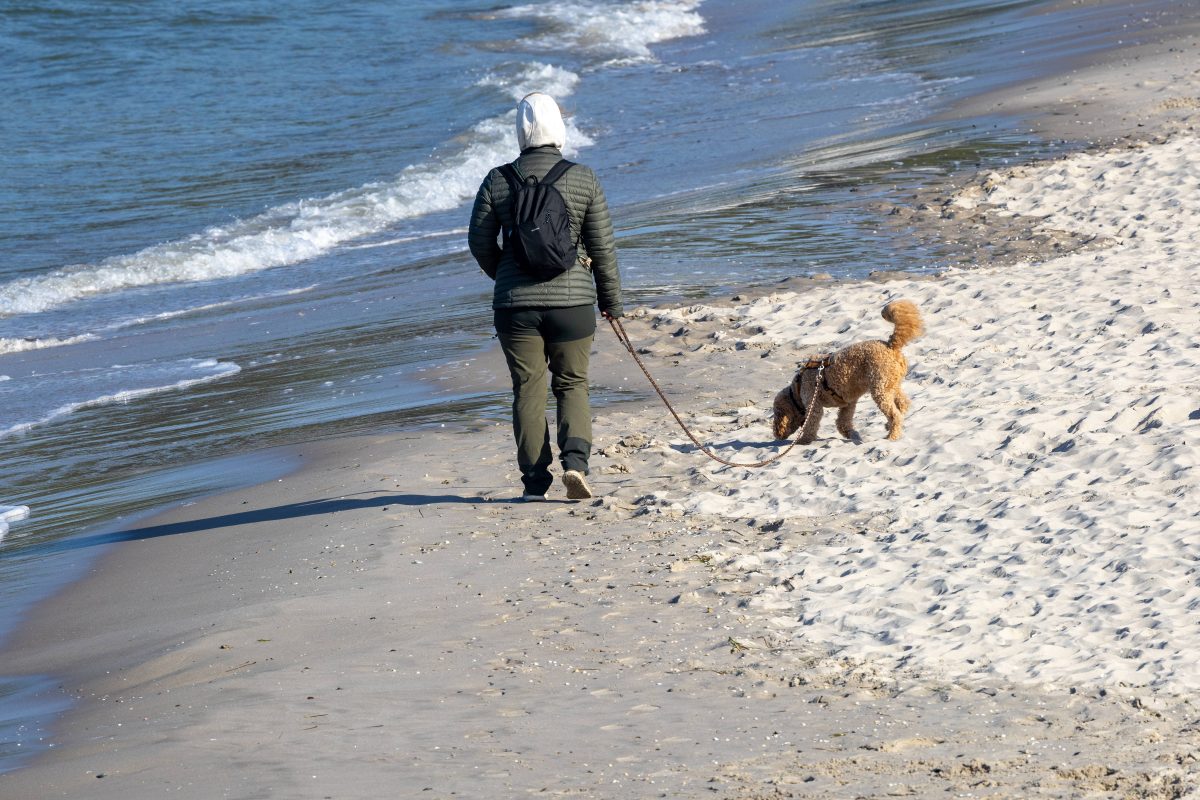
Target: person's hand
[{"x": 607, "y": 316}]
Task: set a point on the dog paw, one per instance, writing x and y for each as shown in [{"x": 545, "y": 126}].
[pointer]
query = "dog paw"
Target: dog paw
[{"x": 855, "y": 437}]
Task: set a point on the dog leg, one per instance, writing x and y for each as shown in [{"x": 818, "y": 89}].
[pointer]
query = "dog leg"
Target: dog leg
[
  {"x": 845, "y": 422},
  {"x": 890, "y": 406},
  {"x": 809, "y": 435}
]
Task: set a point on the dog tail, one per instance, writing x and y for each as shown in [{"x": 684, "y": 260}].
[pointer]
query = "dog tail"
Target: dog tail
[{"x": 904, "y": 315}]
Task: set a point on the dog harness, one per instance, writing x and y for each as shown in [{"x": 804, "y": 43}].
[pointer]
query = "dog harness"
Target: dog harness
[{"x": 820, "y": 363}]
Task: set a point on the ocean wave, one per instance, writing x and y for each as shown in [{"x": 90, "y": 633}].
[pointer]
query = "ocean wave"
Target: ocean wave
[
  {"x": 614, "y": 30},
  {"x": 210, "y": 369},
  {"x": 22, "y": 345},
  {"x": 183, "y": 312},
  {"x": 521, "y": 79},
  {"x": 305, "y": 229}
]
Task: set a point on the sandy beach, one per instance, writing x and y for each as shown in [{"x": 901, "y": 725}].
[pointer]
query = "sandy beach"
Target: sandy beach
[{"x": 997, "y": 605}]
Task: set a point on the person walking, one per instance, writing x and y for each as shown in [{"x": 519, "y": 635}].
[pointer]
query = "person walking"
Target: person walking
[{"x": 546, "y": 322}]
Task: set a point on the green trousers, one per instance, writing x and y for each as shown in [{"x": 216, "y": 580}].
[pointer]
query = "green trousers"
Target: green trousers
[{"x": 558, "y": 342}]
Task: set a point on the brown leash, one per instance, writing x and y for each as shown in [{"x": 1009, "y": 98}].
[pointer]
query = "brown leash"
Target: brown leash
[{"x": 623, "y": 337}]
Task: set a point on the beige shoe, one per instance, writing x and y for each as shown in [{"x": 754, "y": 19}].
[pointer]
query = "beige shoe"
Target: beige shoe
[{"x": 577, "y": 486}]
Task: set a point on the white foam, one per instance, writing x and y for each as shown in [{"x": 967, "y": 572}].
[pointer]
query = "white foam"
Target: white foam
[
  {"x": 10, "y": 514},
  {"x": 534, "y": 77},
  {"x": 622, "y": 29},
  {"x": 210, "y": 369},
  {"x": 22, "y": 345},
  {"x": 13, "y": 513},
  {"x": 1036, "y": 523}
]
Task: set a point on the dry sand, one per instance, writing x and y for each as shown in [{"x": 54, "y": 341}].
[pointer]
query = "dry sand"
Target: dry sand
[{"x": 998, "y": 605}]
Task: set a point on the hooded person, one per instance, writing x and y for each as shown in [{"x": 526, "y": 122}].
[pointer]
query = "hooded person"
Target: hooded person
[
  {"x": 546, "y": 325},
  {"x": 540, "y": 123}
]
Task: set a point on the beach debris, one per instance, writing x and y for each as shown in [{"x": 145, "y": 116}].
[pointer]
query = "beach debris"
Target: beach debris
[{"x": 741, "y": 645}]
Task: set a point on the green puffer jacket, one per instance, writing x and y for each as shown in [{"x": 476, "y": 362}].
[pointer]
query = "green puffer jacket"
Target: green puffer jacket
[{"x": 515, "y": 288}]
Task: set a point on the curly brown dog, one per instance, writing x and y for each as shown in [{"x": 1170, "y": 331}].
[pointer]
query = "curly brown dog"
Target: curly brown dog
[{"x": 876, "y": 367}]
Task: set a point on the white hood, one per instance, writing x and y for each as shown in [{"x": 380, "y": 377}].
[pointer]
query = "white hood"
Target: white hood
[{"x": 539, "y": 122}]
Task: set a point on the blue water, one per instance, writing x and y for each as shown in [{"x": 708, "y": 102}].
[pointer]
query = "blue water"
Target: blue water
[{"x": 226, "y": 225}]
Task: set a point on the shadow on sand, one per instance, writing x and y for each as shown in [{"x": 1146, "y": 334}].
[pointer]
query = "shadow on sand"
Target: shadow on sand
[{"x": 308, "y": 508}]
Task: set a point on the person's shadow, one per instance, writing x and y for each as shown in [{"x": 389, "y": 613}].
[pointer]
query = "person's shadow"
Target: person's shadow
[{"x": 308, "y": 508}]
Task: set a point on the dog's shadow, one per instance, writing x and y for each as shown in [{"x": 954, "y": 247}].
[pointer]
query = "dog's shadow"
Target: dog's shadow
[
  {"x": 765, "y": 444},
  {"x": 736, "y": 444}
]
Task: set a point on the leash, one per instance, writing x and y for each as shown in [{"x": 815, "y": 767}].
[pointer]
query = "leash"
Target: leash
[{"x": 623, "y": 337}]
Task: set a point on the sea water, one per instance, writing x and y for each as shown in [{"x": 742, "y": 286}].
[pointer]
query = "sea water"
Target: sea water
[{"x": 226, "y": 226}]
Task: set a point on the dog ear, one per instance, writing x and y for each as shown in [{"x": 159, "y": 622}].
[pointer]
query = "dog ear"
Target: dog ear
[{"x": 786, "y": 415}]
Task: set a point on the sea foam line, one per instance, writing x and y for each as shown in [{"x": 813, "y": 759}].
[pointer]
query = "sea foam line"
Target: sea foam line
[
  {"x": 23, "y": 345},
  {"x": 11, "y": 345},
  {"x": 219, "y": 370},
  {"x": 301, "y": 230},
  {"x": 624, "y": 30}
]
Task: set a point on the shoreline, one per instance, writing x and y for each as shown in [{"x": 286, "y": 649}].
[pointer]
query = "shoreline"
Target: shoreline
[
  {"x": 1137, "y": 88},
  {"x": 677, "y": 627}
]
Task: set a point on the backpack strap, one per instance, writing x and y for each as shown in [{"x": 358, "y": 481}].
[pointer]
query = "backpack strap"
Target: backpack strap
[
  {"x": 516, "y": 180},
  {"x": 556, "y": 171},
  {"x": 512, "y": 176}
]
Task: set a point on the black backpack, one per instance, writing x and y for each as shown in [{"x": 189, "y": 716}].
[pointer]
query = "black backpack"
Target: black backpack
[{"x": 541, "y": 234}]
